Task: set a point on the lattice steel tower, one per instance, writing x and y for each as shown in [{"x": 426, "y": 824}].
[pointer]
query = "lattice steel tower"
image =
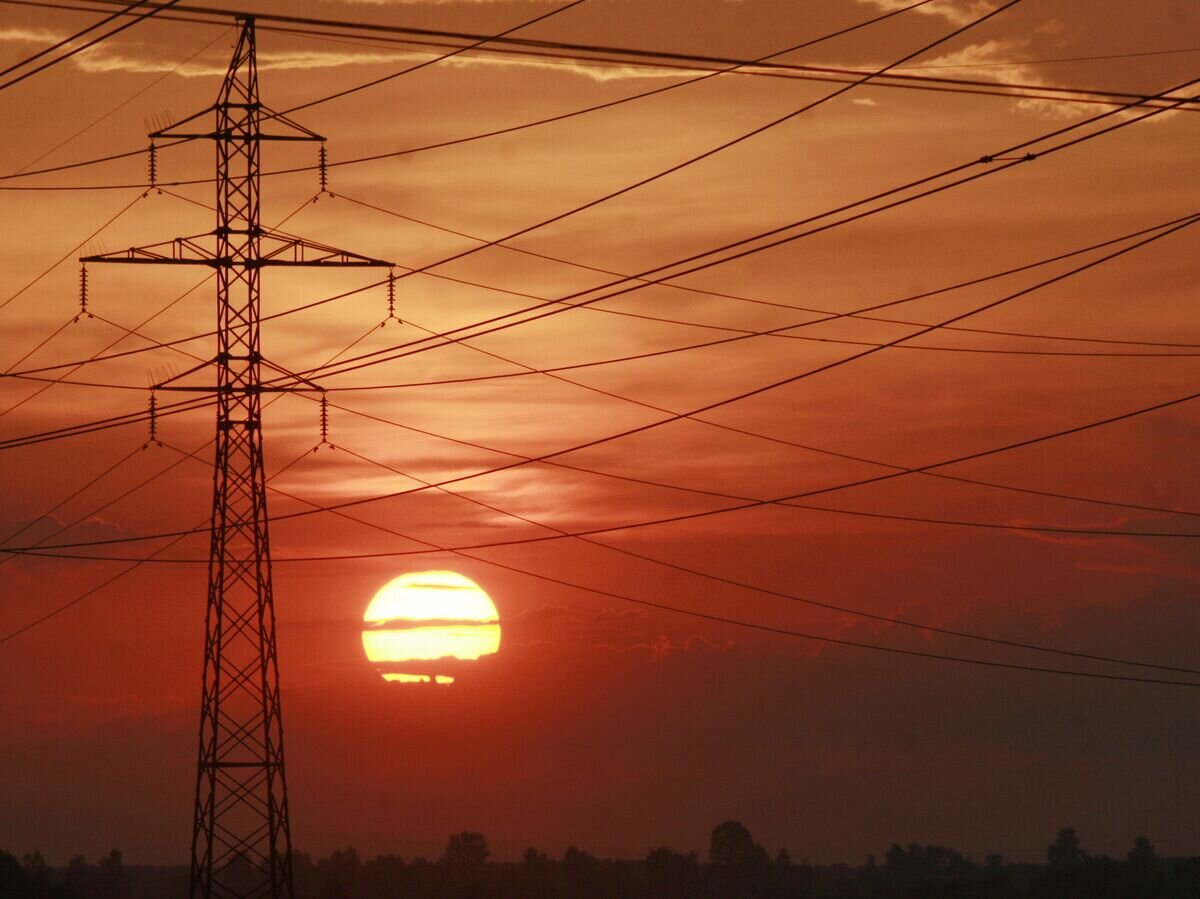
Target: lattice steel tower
[{"x": 241, "y": 839}]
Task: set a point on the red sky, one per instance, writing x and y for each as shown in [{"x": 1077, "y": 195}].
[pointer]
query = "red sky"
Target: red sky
[{"x": 605, "y": 723}]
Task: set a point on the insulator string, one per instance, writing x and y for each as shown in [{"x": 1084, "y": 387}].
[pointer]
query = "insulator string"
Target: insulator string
[
  {"x": 391, "y": 300},
  {"x": 153, "y": 420},
  {"x": 324, "y": 425},
  {"x": 83, "y": 294}
]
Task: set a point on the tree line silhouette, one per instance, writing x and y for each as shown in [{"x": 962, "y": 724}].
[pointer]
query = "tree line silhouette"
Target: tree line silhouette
[{"x": 736, "y": 867}]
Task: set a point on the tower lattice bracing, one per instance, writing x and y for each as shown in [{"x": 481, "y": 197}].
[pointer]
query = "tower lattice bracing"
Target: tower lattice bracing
[
  {"x": 241, "y": 825},
  {"x": 241, "y": 836}
]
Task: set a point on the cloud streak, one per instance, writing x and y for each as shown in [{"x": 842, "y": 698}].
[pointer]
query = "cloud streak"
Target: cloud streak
[{"x": 957, "y": 12}]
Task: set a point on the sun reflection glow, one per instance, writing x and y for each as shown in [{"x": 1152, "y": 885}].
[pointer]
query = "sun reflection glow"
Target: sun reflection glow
[
  {"x": 421, "y": 625},
  {"x": 417, "y": 678}
]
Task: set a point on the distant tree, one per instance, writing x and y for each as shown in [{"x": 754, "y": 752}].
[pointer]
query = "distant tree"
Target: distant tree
[
  {"x": 1065, "y": 853},
  {"x": 578, "y": 861},
  {"x": 995, "y": 879},
  {"x": 926, "y": 871},
  {"x": 789, "y": 879},
  {"x": 671, "y": 874},
  {"x": 304, "y": 874},
  {"x": 14, "y": 879},
  {"x": 341, "y": 875},
  {"x": 731, "y": 845},
  {"x": 468, "y": 848},
  {"x": 240, "y": 876},
  {"x": 1145, "y": 875},
  {"x": 740, "y": 867},
  {"x": 1065, "y": 876},
  {"x": 534, "y": 859},
  {"x": 579, "y": 871},
  {"x": 872, "y": 877},
  {"x": 1142, "y": 856},
  {"x": 78, "y": 878},
  {"x": 111, "y": 879},
  {"x": 461, "y": 867},
  {"x": 420, "y": 876},
  {"x": 39, "y": 875},
  {"x": 383, "y": 877},
  {"x": 535, "y": 877}
]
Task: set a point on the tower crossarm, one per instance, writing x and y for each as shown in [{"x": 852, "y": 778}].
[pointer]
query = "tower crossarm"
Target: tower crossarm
[
  {"x": 261, "y": 112},
  {"x": 280, "y": 250},
  {"x": 273, "y": 249}
]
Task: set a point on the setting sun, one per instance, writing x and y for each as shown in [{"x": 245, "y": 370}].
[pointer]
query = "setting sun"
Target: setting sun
[{"x": 419, "y": 626}]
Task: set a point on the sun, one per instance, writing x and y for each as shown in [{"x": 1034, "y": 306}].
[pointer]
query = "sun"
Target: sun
[{"x": 422, "y": 626}]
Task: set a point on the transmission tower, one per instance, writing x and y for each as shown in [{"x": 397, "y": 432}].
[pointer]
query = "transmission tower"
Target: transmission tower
[{"x": 241, "y": 838}]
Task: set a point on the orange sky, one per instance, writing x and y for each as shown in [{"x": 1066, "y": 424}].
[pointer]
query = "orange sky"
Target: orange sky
[{"x": 603, "y": 723}]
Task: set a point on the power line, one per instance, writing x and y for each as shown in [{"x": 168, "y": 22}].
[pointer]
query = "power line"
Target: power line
[
  {"x": 824, "y": 312},
  {"x": 624, "y": 398},
  {"x": 605, "y": 53},
  {"x": 70, "y": 604},
  {"x": 642, "y": 275},
  {"x": 1101, "y": 132},
  {"x": 998, "y": 157},
  {"x": 705, "y": 616},
  {"x": 594, "y": 108},
  {"x": 113, "y": 157},
  {"x": 736, "y": 66},
  {"x": 135, "y": 418},
  {"x": 127, "y": 332},
  {"x": 806, "y": 447},
  {"x": 39, "y": 438},
  {"x": 71, "y": 39},
  {"x": 527, "y": 371},
  {"x": 105, "y": 424},
  {"x": 90, "y": 515},
  {"x": 124, "y": 209},
  {"x": 933, "y": 466},
  {"x": 678, "y": 610},
  {"x": 735, "y": 141},
  {"x": 781, "y": 594},
  {"x": 476, "y": 44},
  {"x": 91, "y": 483},
  {"x": 816, "y": 603},
  {"x": 643, "y": 481},
  {"x": 1056, "y": 59},
  {"x": 128, "y": 9},
  {"x": 750, "y": 244},
  {"x": 96, "y": 121},
  {"x": 858, "y": 644},
  {"x": 170, "y": 344},
  {"x": 781, "y": 331}
]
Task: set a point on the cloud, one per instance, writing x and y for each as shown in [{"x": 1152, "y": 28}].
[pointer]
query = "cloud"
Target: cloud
[
  {"x": 989, "y": 61},
  {"x": 979, "y": 62},
  {"x": 424, "y": 2},
  {"x": 101, "y": 59},
  {"x": 17, "y": 35},
  {"x": 662, "y": 646},
  {"x": 958, "y": 12}
]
